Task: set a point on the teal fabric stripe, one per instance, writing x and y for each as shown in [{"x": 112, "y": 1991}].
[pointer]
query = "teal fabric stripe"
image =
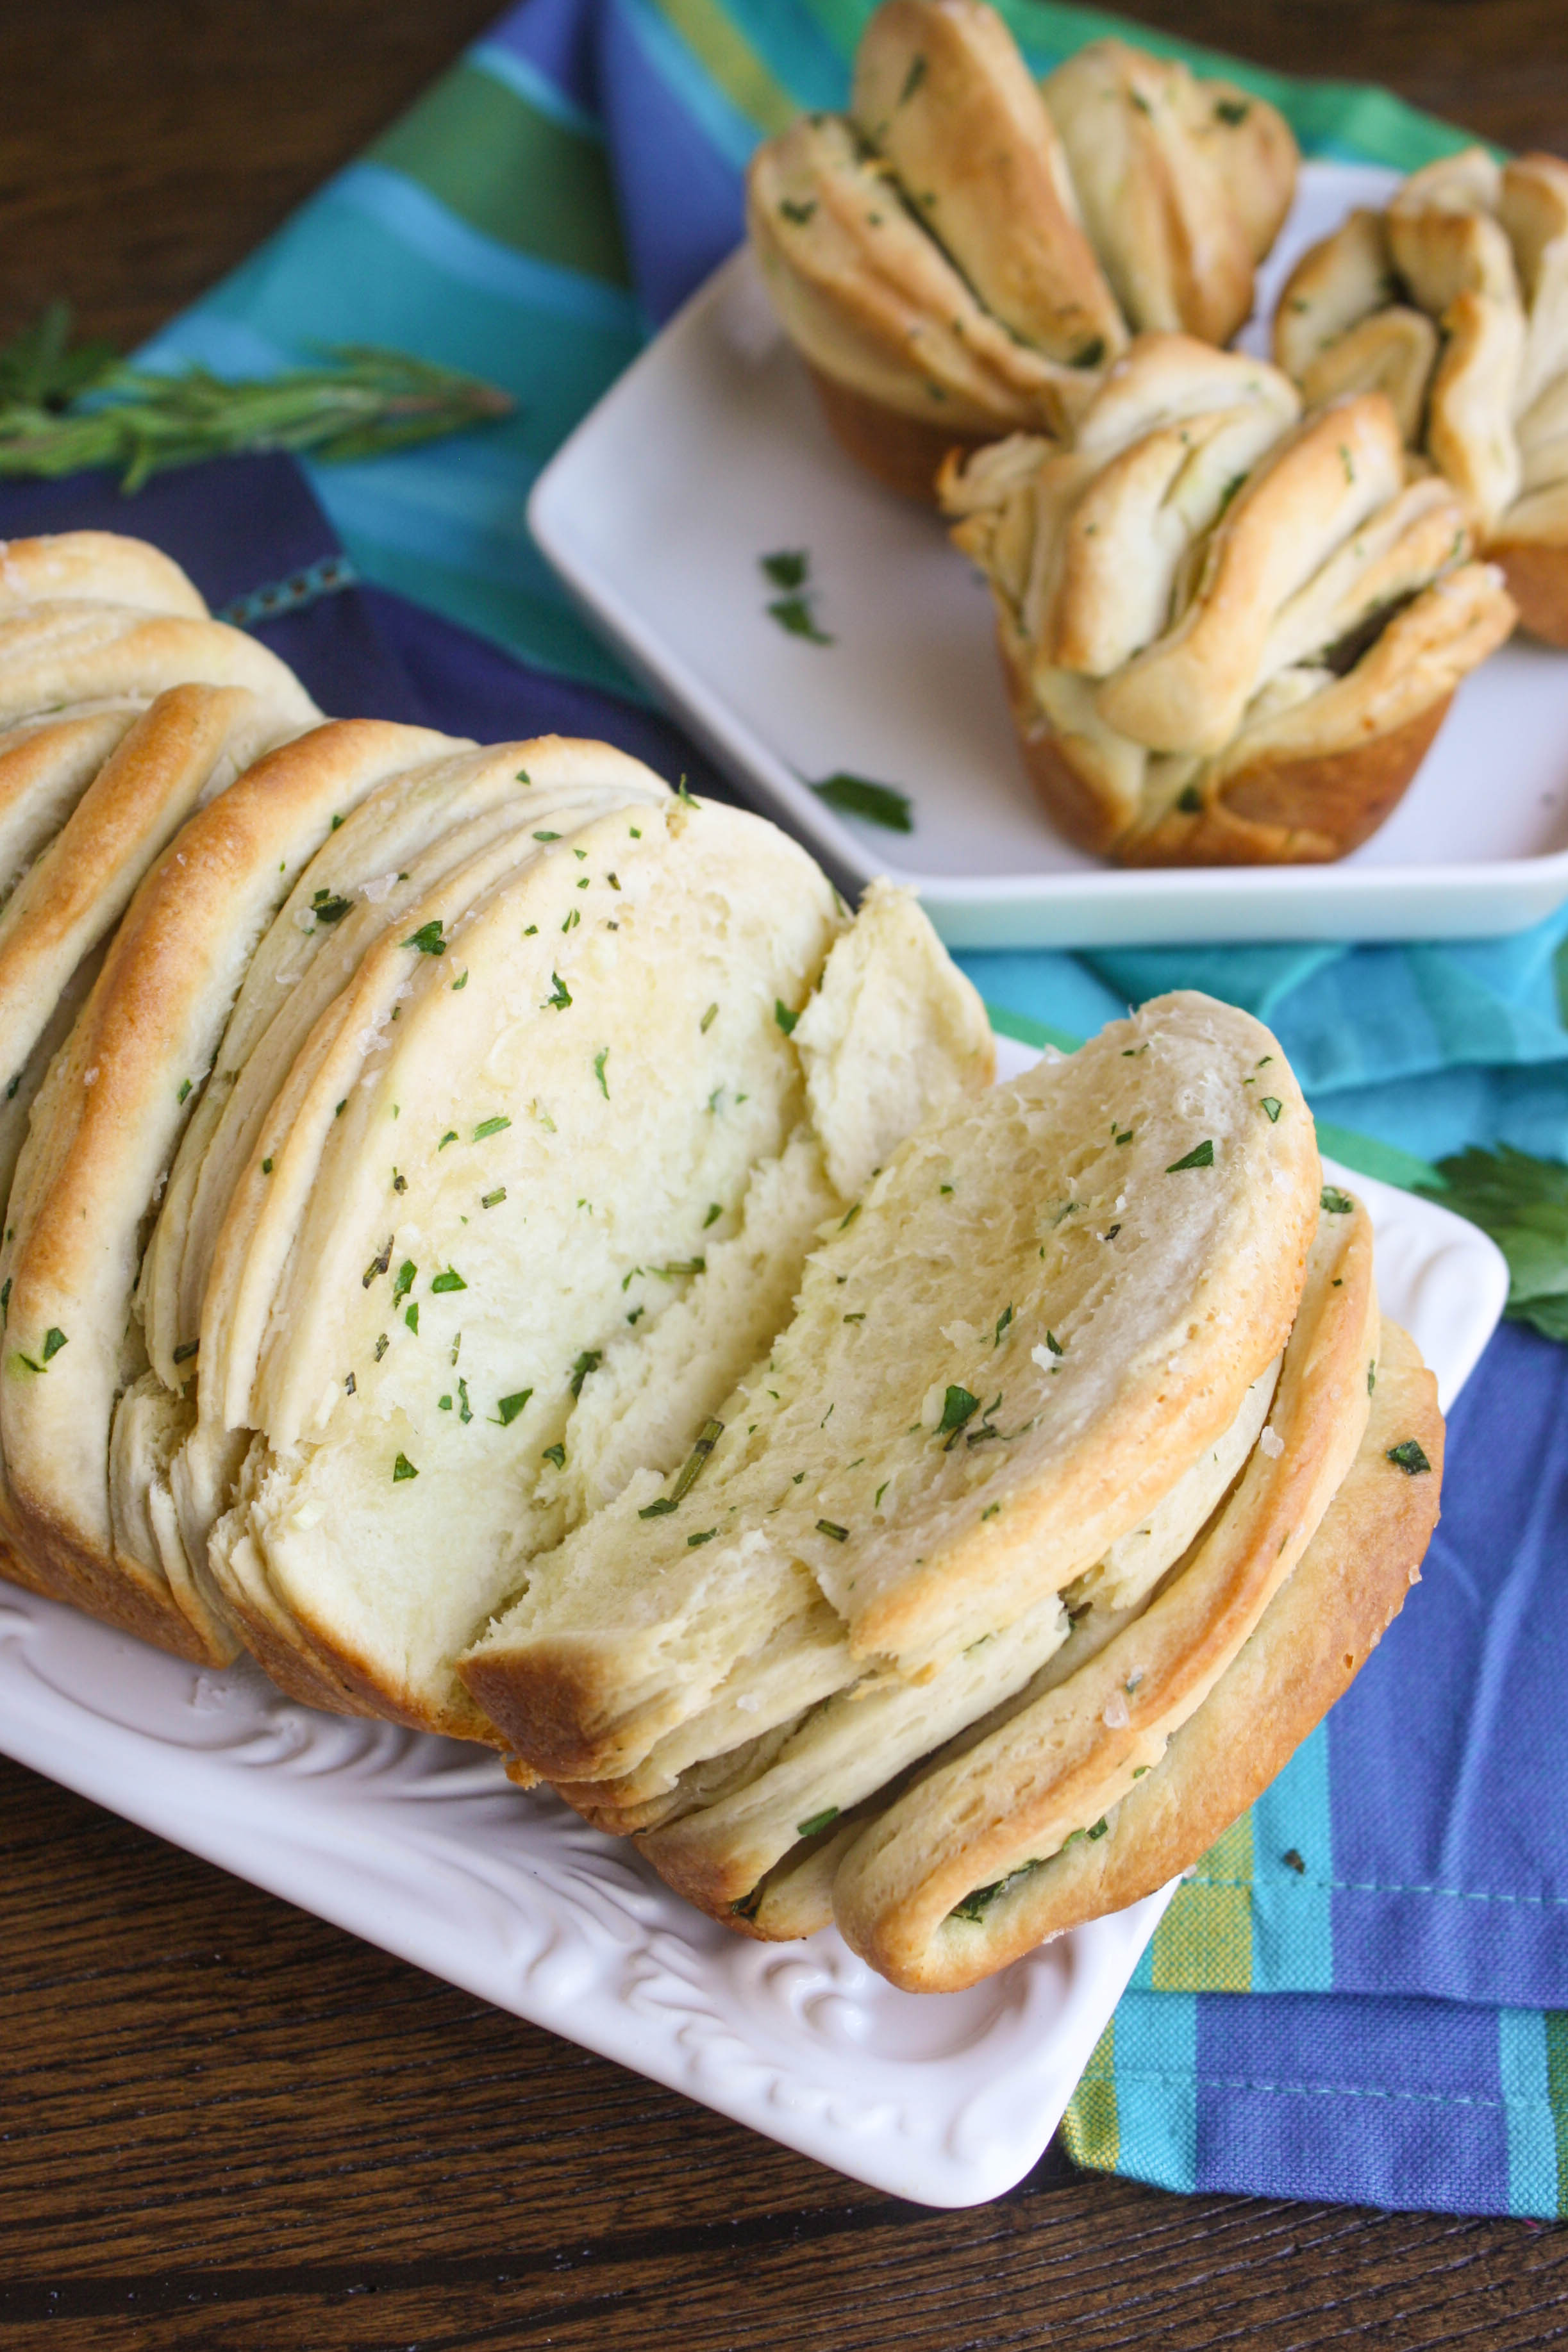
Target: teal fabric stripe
[
  {"x": 470, "y": 258},
  {"x": 1531, "y": 2127},
  {"x": 1292, "y": 1911},
  {"x": 666, "y": 53},
  {"x": 526, "y": 82},
  {"x": 796, "y": 49},
  {"x": 1156, "y": 2060}
]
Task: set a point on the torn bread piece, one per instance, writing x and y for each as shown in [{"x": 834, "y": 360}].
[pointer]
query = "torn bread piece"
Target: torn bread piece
[
  {"x": 1015, "y": 1343},
  {"x": 1232, "y": 639},
  {"x": 1312, "y": 1637},
  {"x": 1455, "y": 300},
  {"x": 96, "y": 567},
  {"x": 105, "y": 1126},
  {"x": 652, "y": 1044},
  {"x": 965, "y": 252}
]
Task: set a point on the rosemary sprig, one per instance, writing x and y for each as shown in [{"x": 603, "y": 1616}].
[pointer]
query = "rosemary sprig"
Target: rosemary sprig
[{"x": 61, "y": 410}]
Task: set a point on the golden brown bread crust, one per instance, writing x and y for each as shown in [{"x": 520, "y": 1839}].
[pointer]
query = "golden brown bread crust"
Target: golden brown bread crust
[
  {"x": 973, "y": 238},
  {"x": 1314, "y": 1638},
  {"x": 1069, "y": 1756},
  {"x": 1455, "y": 299}
]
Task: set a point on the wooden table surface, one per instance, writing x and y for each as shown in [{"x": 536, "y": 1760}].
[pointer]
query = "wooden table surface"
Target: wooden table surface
[{"x": 226, "y": 2126}]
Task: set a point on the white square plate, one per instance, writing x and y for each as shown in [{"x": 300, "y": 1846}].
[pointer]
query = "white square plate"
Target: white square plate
[
  {"x": 709, "y": 453},
  {"x": 421, "y": 1846}
]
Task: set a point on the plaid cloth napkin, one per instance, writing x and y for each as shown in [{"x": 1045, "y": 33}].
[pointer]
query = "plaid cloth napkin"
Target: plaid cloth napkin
[{"x": 1363, "y": 1992}]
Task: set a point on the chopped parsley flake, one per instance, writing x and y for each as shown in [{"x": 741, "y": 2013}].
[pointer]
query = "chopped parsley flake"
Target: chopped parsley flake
[
  {"x": 403, "y": 1281},
  {"x": 403, "y": 1468},
  {"x": 797, "y": 213},
  {"x": 600, "y": 1058},
  {"x": 266, "y": 1167},
  {"x": 679, "y": 1265},
  {"x": 451, "y": 1137},
  {"x": 706, "y": 1537},
  {"x": 788, "y": 568},
  {"x": 913, "y": 81},
  {"x": 784, "y": 1016},
  {"x": 461, "y": 981},
  {"x": 412, "y": 1318},
  {"x": 490, "y": 1127},
  {"x": 1334, "y": 1203},
  {"x": 1408, "y": 1455},
  {"x": 328, "y": 909},
  {"x": 958, "y": 1406},
  {"x": 714, "y": 1213},
  {"x": 829, "y": 1527},
  {"x": 1200, "y": 1156},
  {"x": 709, "y": 1017},
  {"x": 819, "y": 1821},
  {"x": 659, "y": 1510},
  {"x": 1099, "y": 1828},
  {"x": 380, "y": 1346},
  {"x": 1054, "y": 1344},
  {"x": 524, "y": 777},
  {"x": 707, "y": 1438},
  {"x": 793, "y": 613},
  {"x": 377, "y": 1265},
  {"x": 547, "y": 837},
  {"x": 588, "y": 1361},
  {"x": 451, "y": 1280},
  {"x": 556, "y": 1453},
  {"x": 428, "y": 938},
  {"x": 874, "y": 804},
  {"x": 493, "y": 1200},
  {"x": 184, "y": 1090},
  {"x": 1273, "y": 1106},
  {"x": 560, "y": 996},
  {"x": 572, "y": 919},
  {"x": 509, "y": 1407},
  {"x": 1002, "y": 1322},
  {"x": 850, "y": 1216}
]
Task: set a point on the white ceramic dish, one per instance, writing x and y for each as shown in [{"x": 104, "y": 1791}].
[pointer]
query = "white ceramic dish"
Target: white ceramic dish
[
  {"x": 420, "y": 1845},
  {"x": 709, "y": 453}
]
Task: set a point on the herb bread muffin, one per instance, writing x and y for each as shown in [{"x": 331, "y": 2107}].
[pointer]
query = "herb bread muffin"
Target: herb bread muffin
[
  {"x": 1229, "y": 634},
  {"x": 960, "y": 253},
  {"x": 1453, "y": 301}
]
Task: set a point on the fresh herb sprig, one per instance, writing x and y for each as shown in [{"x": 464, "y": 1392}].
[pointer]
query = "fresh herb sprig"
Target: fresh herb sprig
[
  {"x": 1522, "y": 1203},
  {"x": 62, "y": 409}
]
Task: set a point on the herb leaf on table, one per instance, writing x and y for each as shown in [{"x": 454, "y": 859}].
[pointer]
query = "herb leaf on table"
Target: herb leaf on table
[{"x": 1521, "y": 1203}]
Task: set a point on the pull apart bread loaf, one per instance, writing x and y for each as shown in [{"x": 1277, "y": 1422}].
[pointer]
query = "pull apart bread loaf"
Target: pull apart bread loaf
[
  {"x": 1006, "y": 1523},
  {"x": 1229, "y": 635},
  {"x": 496, "y": 1239},
  {"x": 961, "y": 255},
  {"x": 1453, "y": 301}
]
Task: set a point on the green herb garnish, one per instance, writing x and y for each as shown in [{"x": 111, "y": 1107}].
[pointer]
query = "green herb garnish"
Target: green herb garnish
[
  {"x": 600, "y": 1058},
  {"x": 428, "y": 938},
  {"x": 787, "y": 567},
  {"x": 659, "y": 1510},
  {"x": 1335, "y": 1203},
  {"x": 1200, "y": 1156},
  {"x": 794, "y": 614},
  {"x": 784, "y": 1016},
  {"x": 1522, "y": 1203},
  {"x": 560, "y": 996},
  {"x": 881, "y": 804},
  {"x": 1410, "y": 1458},
  {"x": 706, "y": 1537},
  {"x": 490, "y": 1127},
  {"x": 830, "y": 1527},
  {"x": 403, "y": 1468},
  {"x": 1273, "y": 1106},
  {"x": 509, "y": 1407},
  {"x": 588, "y": 1361},
  {"x": 958, "y": 1406},
  {"x": 451, "y": 1280},
  {"x": 493, "y": 1200},
  {"x": 817, "y": 1822},
  {"x": 403, "y": 1281}
]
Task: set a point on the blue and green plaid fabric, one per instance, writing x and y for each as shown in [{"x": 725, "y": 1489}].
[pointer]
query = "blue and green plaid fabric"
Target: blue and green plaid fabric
[{"x": 1364, "y": 1992}]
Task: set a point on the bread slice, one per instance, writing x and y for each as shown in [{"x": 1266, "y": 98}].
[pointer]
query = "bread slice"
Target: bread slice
[
  {"x": 1310, "y": 1641},
  {"x": 588, "y": 1106},
  {"x": 1024, "y": 1332},
  {"x": 98, "y": 567},
  {"x": 67, "y": 654},
  {"x": 106, "y": 1124}
]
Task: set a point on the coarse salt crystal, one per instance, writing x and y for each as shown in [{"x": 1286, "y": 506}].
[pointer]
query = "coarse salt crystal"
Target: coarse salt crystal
[
  {"x": 748, "y": 1702},
  {"x": 1116, "y": 1716}
]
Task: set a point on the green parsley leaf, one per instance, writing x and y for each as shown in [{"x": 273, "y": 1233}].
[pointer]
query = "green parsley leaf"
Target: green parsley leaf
[
  {"x": 1002, "y": 1322},
  {"x": 330, "y": 910},
  {"x": 709, "y": 1017},
  {"x": 600, "y": 1058},
  {"x": 1334, "y": 1203},
  {"x": 428, "y": 938},
  {"x": 714, "y": 1213},
  {"x": 659, "y": 1510},
  {"x": 1200, "y": 1156},
  {"x": 184, "y": 1090},
  {"x": 403, "y": 1281},
  {"x": 493, "y": 1200},
  {"x": 1409, "y": 1457},
  {"x": 829, "y": 1527},
  {"x": 818, "y": 1822},
  {"x": 1273, "y": 1106},
  {"x": 560, "y": 996},
  {"x": 1522, "y": 1202},
  {"x": 1099, "y": 1828},
  {"x": 874, "y": 804},
  {"x": 461, "y": 981},
  {"x": 451, "y": 1280},
  {"x": 266, "y": 1167},
  {"x": 784, "y": 1016},
  {"x": 913, "y": 81},
  {"x": 490, "y": 1127},
  {"x": 509, "y": 1407},
  {"x": 403, "y": 1468},
  {"x": 547, "y": 837},
  {"x": 588, "y": 1361},
  {"x": 524, "y": 777},
  {"x": 958, "y": 1406},
  {"x": 794, "y": 615},
  {"x": 412, "y": 1318},
  {"x": 788, "y": 568},
  {"x": 706, "y": 1537},
  {"x": 556, "y": 1453}
]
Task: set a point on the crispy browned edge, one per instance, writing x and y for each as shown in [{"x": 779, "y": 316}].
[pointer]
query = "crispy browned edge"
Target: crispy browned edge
[
  {"x": 902, "y": 452},
  {"x": 1312, "y": 1640},
  {"x": 1273, "y": 812},
  {"x": 1537, "y": 577}
]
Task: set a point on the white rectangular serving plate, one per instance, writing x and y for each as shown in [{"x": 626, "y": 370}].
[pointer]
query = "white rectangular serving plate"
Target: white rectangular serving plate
[
  {"x": 709, "y": 453},
  {"x": 421, "y": 1846}
]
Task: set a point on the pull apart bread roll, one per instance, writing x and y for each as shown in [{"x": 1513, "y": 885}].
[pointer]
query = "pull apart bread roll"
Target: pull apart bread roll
[
  {"x": 1454, "y": 302},
  {"x": 1061, "y": 1479},
  {"x": 1228, "y": 635},
  {"x": 535, "y": 1189},
  {"x": 960, "y": 256}
]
